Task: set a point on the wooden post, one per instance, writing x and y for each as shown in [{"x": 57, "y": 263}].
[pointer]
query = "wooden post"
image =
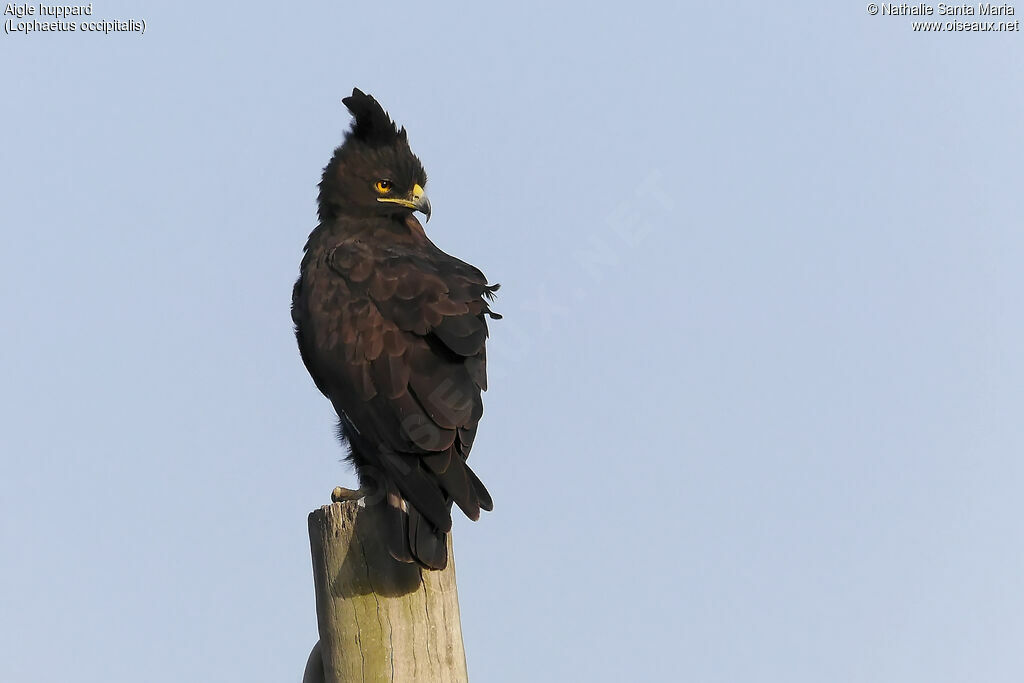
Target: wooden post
[{"x": 379, "y": 620}]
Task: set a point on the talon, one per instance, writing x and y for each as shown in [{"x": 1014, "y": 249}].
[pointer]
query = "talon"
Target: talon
[{"x": 340, "y": 495}]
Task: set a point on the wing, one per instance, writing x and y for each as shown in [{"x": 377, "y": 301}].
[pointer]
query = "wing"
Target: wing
[{"x": 398, "y": 345}]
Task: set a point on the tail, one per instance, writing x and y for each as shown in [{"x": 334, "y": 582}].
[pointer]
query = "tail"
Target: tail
[
  {"x": 419, "y": 511},
  {"x": 410, "y": 537},
  {"x": 427, "y": 545}
]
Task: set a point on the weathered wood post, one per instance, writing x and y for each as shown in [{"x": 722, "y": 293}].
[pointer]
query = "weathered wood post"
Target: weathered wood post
[{"x": 379, "y": 620}]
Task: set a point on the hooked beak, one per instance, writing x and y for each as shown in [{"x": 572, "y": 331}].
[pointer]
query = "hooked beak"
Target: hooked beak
[{"x": 417, "y": 201}]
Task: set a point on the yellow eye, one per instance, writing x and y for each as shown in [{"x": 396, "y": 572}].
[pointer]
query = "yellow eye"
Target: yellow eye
[{"x": 382, "y": 186}]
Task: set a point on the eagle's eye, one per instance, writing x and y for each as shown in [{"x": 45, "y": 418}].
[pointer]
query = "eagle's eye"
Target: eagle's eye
[{"x": 383, "y": 186}]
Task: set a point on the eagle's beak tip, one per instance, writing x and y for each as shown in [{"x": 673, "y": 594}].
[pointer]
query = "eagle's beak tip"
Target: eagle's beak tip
[{"x": 421, "y": 202}]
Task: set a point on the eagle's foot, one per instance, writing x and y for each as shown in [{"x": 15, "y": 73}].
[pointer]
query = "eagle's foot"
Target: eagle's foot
[{"x": 340, "y": 495}]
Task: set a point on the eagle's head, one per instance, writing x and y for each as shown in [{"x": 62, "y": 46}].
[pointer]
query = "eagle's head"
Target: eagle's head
[{"x": 374, "y": 172}]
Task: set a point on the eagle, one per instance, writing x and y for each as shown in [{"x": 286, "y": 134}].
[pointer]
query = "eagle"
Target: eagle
[{"x": 393, "y": 331}]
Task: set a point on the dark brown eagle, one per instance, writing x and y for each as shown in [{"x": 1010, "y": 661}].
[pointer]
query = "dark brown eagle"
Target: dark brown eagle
[{"x": 392, "y": 330}]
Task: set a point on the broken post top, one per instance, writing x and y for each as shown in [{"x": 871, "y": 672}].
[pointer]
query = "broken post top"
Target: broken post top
[{"x": 380, "y": 619}]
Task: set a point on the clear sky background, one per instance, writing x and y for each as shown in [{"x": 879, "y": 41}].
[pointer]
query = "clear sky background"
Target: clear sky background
[{"x": 756, "y": 403}]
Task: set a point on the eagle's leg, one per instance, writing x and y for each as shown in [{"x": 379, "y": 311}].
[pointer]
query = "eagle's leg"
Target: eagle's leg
[{"x": 340, "y": 495}]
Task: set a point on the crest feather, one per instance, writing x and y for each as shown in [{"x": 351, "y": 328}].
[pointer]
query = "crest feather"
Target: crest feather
[{"x": 372, "y": 125}]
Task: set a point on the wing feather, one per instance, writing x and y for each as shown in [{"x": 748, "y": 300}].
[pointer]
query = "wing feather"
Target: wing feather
[{"x": 394, "y": 334}]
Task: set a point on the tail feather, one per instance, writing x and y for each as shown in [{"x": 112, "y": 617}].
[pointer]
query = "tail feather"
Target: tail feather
[
  {"x": 456, "y": 484},
  {"x": 397, "y": 526},
  {"x": 429, "y": 545},
  {"x": 420, "y": 488},
  {"x": 481, "y": 491},
  {"x": 410, "y": 536},
  {"x": 420, "y": 496}
]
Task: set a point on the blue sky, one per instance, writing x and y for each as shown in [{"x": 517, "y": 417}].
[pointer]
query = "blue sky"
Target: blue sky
[{"x": 755, "y": 403}]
